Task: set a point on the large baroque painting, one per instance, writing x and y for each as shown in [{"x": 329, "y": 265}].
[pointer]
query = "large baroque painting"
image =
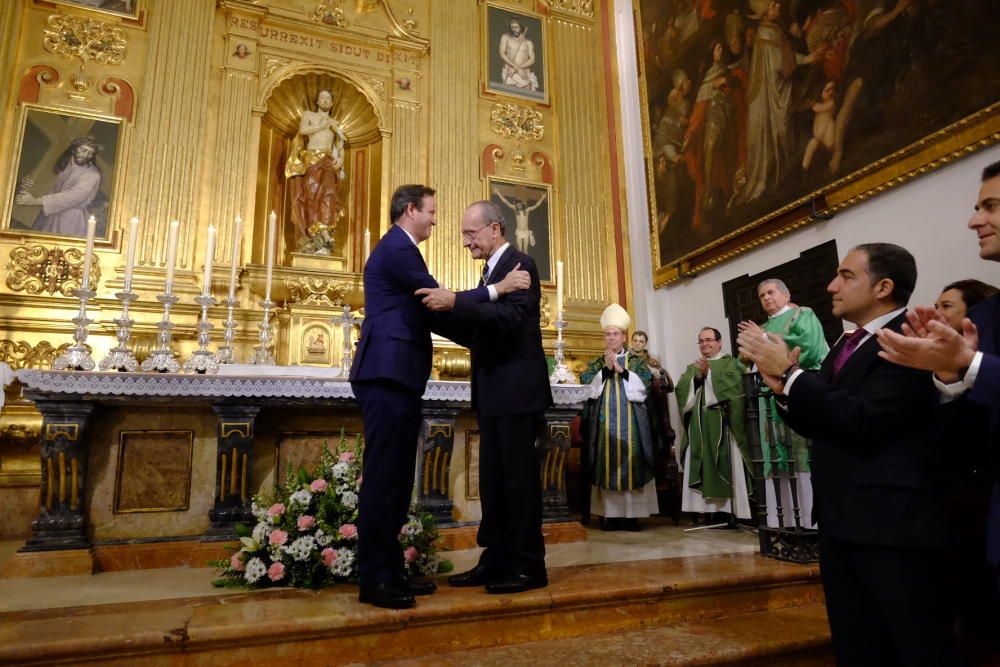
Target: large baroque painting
[{"x": 758, "y": 108}]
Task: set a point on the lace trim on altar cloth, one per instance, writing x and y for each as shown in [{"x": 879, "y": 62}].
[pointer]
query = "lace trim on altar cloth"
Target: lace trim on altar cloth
[{"x": 275, "y": 385}]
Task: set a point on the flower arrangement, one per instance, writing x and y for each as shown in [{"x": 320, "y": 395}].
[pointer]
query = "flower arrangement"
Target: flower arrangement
[{"x": 306, "y": 533}]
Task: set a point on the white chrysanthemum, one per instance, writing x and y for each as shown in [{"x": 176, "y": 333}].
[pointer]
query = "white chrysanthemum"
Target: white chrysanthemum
[
  {"x": 341, "y": 470},
  {"x": 302, "y": 497},
  {"x": 344, "y": 565},
  {"x": 259, "y": 513},
  {"x": 255, "y": 569},
  {"x": 412, "y": 527},
  {"x": 301, "y": 548},
  {"x": 349, "y": 499},
  {"x": 260, "y": 533},
  {"x": 322, "y": 538}
]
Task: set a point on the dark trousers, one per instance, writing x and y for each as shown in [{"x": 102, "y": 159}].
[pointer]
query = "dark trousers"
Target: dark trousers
[
  {"x": 391, "y": 414},
  {"x": 887, "y": 605},
  {"x": 510, "y": 490}
]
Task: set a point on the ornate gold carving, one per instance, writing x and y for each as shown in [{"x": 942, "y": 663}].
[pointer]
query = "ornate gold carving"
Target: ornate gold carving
[
  {"x": 308, "y": 289},
  {"x": 85, "y": 39},
  {"x": 581, "y": 7},
  {"x": 330, "y": 12},
  {"x": 273, "y": 64},
  {"x": 544, "y": 311},
  {"x": 35, "y": 269},
  {"x": 377, "y": 84},
  {"x": 518, "y": 123},
  {"x": 70, "y": 431},
  {"x": 18, "y": 437},
  {"x": 22, "y": 355},
  {"x": 452, "y": 364},
  {"x": 410, "y": 23}
]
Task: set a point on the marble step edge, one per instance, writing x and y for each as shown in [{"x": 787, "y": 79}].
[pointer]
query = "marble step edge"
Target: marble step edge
[{"x": 631, "y": 595}]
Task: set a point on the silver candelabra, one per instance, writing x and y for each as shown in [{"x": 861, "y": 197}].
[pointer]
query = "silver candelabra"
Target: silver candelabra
[
  {"x": 263, "y": 354},
  {"x": 561, "y": 374},
  {"x": 203, "y": 360},
  {"x": 77, "y": 356},
  {"x": 121, "y": 357},
  {"x": 162, "y": 359},
  {"x": 227, "y": 353}
]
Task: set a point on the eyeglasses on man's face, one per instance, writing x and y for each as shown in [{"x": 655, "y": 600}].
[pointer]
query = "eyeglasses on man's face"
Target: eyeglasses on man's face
[{"x": 469, "y": 235}]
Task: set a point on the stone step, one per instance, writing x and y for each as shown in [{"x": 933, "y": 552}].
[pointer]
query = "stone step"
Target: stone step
[
  {"x": 792, "y": 637},
  {"x": 330, "y": 627}
]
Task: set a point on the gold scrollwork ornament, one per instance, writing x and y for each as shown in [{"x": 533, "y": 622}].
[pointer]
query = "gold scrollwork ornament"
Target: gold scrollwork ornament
[
  {"x": 330, "y": 12},
  {"x": 306, "y": 289},
  {"x": 21, "y": 354},
  {"x": 35, "y": 269},
  {"x": 85, "y": 39}
]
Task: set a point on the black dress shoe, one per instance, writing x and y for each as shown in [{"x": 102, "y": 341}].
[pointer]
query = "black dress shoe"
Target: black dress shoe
[
  {"x": 477, "y": 576},
  {"x": 418, "y": 586},
  {"x": 517, "y": 583},
  {"x": 632, "y": 525},
  {"x": 388, "y": 595}
]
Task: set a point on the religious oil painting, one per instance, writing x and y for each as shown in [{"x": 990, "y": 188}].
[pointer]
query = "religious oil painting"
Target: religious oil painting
[
  {"x": 525, "y": 208},
  {"x": 64, "y": 173},
  {"x": 154, "y": 471},
  {"x": 757, "y": 111},
  {"x": 515, "y": 56},
  {"x": 120, "y": 7}
]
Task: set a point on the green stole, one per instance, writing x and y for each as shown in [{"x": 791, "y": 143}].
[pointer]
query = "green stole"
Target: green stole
[{"x": 710, "y": 462}]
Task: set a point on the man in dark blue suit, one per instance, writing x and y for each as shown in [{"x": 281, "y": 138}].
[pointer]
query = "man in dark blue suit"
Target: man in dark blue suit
[
  {"x": 510, "y": 392},
  {"x": 878, "y": 502},
  {"x": 389, "y": 376},
  {"x": 966, "y": 364}
]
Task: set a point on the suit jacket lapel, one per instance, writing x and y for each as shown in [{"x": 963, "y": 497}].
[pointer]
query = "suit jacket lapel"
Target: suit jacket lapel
[
  {"x": 867, "y": 352},
  {"x": 503, "y": 267}
]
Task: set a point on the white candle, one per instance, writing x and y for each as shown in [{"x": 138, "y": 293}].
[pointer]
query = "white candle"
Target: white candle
[
  {"x": 559, "y": 290},
  {"x": 272, "y": 223},
  {"x": 133, "y": 233},
  {"x": 209, "y": 256},
  {"x": 237, "y": 230},
  {"x": 88, "y": 254},
  {"x": 368, "y": 244},
  {"x": 171, "y": 253}
]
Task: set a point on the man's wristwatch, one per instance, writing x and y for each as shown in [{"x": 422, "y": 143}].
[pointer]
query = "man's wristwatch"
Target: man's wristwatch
[{"x": 788, "y": 373}]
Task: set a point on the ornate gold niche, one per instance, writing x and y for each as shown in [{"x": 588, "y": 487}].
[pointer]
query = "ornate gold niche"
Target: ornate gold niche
[{"x": 315, "y": 287}]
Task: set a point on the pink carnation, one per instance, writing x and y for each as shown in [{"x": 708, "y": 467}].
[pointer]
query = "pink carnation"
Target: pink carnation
[
  {"x": 278, "y": 537},
  {"x": 276, "y": 571},
  {"x": 277, "y": 509},
  {"x": 348, "y": 530},
  {"x": 305, "y": 522},
  {"x": 318, "y": 485},
  {"x": 329, "y": 556},
  {"x": 410, "y": 554},
  {"x": 346, "y": 456},
  {"x": 235, "y": 562}
]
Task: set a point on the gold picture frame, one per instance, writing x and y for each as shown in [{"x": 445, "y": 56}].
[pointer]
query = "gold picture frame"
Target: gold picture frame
[
  {"x": 128, "y": 9},
  {"x": 44, "y": 161},
  {"x": 527, "y": 208},
  {"x": 502, "y": 78},
  {"x": 872, "y": 122}
]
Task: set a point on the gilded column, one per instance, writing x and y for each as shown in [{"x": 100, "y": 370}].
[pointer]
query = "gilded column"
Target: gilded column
[
  {"x": 585, "y": 192},
  {"x": 10, "y": 20},
  {"x": 168, "y": 148},
  {"x": 453, "y": 162}
]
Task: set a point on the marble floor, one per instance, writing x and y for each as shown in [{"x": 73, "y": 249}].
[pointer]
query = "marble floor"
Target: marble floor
[{"x": 659, "y": 539}]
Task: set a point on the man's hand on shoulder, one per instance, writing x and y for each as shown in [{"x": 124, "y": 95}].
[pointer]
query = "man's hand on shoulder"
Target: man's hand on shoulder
[
  {"x": 517, "y": 279},
  {"x": 437, "y": 299}
]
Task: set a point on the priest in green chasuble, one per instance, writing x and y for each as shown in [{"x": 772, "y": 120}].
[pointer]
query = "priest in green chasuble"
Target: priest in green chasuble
[
  {"x": 714, "y": 451},
  {"x": 785, "y": 451},
  {"x": 623, "y": 487}
]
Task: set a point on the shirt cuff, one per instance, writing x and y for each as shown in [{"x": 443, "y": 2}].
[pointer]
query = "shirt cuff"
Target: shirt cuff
[
  {"x": 791, "y": 380},
  {"x": 955, "y": 389},
  {"x": 493, "y": 293}
]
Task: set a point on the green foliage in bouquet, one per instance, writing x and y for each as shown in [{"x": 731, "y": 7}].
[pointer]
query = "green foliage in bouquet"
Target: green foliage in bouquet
[{"x": 306, "y": 533}]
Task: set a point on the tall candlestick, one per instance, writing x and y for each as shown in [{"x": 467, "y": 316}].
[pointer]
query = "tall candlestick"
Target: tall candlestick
[
  {"x": 133, "y": 232},
  {"x": 559, "y": 290},
  {"x": 237, "y": 230},
  {"x": 209, "y": 256},
  {"x": 272, "y": 223},
  {"x": 368, "y": 244},
  {"x": 88, "y": 254},
  {"x": 171, "y": 254}
]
